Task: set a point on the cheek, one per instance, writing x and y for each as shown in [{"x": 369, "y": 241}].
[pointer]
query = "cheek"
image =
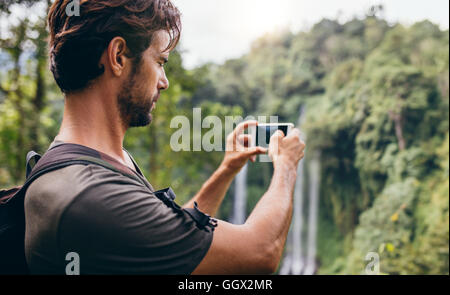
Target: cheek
[
  {"x": 146, "y": 82},
  {"x": 151, "y": 77}
]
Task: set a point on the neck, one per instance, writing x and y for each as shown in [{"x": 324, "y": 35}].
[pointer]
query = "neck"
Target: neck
[{"x": 91, "y": 118}]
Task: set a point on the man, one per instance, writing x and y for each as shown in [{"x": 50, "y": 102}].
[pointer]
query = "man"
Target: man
[{"x": 109, "y": 62}]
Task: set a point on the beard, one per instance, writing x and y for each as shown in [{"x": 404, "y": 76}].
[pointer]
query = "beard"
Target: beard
[{"x": 134, "y": 108}]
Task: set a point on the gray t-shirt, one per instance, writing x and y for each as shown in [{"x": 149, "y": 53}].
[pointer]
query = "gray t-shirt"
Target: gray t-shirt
[{"x": 115, "y": 224}]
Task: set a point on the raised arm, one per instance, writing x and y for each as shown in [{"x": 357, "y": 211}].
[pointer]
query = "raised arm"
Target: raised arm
[
  {"x": 256, "y": 246},
  {"x": 237, "y": 154}
]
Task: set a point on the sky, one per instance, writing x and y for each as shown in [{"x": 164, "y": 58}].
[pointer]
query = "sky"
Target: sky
[{"x": 217, "y": 30}]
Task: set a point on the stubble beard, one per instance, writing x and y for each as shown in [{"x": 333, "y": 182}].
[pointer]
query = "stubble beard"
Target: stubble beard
[{"x": 134, "y": 107}]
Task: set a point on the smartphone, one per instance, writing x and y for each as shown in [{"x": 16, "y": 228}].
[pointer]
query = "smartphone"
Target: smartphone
[{"x": 262, "y": 133}]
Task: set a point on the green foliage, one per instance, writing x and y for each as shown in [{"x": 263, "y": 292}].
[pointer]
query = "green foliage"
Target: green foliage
[
  {"x": 25, "y": 85},
  {"x": 377, "y": 109},
  {"x": 377, "y": 101}
]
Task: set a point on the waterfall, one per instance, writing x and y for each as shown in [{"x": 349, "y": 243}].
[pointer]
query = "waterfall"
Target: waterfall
[
  {"x": 314, "y": 182},
  {"x": 297, "y": 224},
  {"x": 293, "y": 262},
  {"x": 240, "y": 197}
]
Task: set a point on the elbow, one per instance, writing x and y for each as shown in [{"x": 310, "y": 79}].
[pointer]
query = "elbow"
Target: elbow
[
  {"x": 275, "y": 252},
  {"x": 270, "y": 258},
  {"x": 265, "y": 252},
  {"x": 271, "y": 267}
]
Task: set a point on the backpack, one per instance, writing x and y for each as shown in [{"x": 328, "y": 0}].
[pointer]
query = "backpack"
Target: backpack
[{"x": 12, "y": 211}]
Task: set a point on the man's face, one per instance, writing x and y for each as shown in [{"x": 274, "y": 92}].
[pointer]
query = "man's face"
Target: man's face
[{"x": 140, "y": 91}]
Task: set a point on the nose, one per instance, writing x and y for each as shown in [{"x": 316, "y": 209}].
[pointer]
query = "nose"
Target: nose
[{"x": 163, "y": 83}]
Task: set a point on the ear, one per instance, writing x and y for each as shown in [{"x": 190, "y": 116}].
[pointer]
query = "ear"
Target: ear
[{"x": 116, "y": 57}]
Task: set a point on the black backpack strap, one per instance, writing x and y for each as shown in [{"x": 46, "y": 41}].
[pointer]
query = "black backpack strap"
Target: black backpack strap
[
  {"x": 201, "y": 219},
  {"x": 64, "y": 155},
  {"x": 69, "y": 151},
  {"x": 32, "y": 159},
  {"x": 12, "y": 211},
  {"x": 167, "y": 196},
  {"x": 58, "y": 157},
  {"x": 6, "y": 195}
]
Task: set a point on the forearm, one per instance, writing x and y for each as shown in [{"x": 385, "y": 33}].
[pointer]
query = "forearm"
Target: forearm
[
  {"x": 270, "y": 219},
  {"x": 212, "y": 192}
]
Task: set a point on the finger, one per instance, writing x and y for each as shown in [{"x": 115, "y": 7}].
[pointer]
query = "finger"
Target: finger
[
  {"x": 294, "y": 132},
  {"x": 275, "y": 141},
  {"x": 261, "y": 150},
  {"x": 295, "y": 135},
  {"x": 257, "y": 150},
  {"x": 277, "y": 136},
  {"x": 245, "y": 139},
  {"x": 242, "y": 126}
]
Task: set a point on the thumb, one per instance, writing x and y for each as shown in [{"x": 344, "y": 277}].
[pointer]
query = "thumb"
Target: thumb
[
  {"x": 276, "y": 137},
  {"x": 275, "y": 142}
]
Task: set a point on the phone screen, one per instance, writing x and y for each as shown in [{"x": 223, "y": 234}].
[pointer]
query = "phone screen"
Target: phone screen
[{"x": 265, "y": 131}]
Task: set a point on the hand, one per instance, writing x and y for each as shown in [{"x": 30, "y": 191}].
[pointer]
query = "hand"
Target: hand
[
  {"x": 238, "y": 150},
  {"x": 286, "y": 150}
]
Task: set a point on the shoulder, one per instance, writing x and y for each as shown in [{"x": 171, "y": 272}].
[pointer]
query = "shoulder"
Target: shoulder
[
  {"x": 50, "y": 194},
  {"x": 72, "y": 180},
  {"x": 115, "y": 223}
]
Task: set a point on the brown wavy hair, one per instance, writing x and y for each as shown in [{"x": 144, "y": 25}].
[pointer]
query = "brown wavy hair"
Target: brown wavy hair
[{"x": 76, "y": 43}]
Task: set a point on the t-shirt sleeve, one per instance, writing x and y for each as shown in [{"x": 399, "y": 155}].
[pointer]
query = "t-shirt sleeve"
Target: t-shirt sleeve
[{"x": 118, "y": 226}]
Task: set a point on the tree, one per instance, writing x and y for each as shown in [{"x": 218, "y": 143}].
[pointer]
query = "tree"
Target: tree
[{"x": 23, "y": 88}]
